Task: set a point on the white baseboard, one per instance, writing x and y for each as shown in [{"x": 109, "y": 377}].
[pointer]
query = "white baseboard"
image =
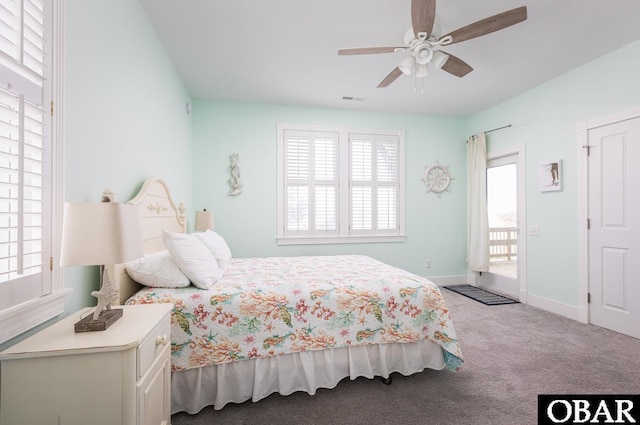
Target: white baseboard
[
  {"x": 552, "y": 306},
  {"x": 568, "y": 311},
  {"x": 583, "y": 314},
  {"x": 448, "y": 280}
]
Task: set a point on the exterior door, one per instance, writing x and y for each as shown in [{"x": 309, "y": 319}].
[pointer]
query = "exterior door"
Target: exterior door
[
  {"x": 502, "y": 205},
  {"x": 614, "y": 226}
]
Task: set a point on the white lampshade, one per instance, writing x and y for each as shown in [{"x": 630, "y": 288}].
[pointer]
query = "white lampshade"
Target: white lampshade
[
  {"x": 204, "y": 221},
  {"x": 407, "y": 64},
  {"x": 100, "y": 233},
  {"x": 439, "y": 59}
]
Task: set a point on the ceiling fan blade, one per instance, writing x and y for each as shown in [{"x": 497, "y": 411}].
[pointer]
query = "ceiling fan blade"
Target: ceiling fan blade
[
  {"x": 456, "y": 66},
  {"x": 488, "y": 25},
  {"x": 423, "y": 15},
  {"x": 393, "y": 75},
  {"x": 369, "y": 50}
]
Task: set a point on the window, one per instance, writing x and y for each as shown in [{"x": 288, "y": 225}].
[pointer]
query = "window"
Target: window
[
  {"x": 30, "y": 292},
  {"x": 338, "y": 185}
]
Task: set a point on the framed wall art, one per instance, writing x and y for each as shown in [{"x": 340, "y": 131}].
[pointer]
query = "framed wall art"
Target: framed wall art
[{"x": 550, "y": 175}]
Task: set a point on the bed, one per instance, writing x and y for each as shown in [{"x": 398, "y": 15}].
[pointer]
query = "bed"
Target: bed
[{"x": 282, "y": 324}]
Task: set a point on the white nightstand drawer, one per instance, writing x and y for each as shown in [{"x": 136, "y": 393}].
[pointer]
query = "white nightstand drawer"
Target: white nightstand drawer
[{"x": 153, "y": 345}]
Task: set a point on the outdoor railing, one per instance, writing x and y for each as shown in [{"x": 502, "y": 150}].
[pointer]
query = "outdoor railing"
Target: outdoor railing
[{"x": 503, "y": 243}]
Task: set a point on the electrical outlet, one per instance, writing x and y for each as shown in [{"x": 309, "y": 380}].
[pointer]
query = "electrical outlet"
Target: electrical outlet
[
  {"x": 534, "y": 230},
  {"x": 427, "y": 263}
]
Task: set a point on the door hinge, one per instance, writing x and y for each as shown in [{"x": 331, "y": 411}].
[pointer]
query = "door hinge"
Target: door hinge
[
  {"x": 588, "y": 224},
  {"x": 51, "y": 263},
  {"x": 589, "y": 298},
  {"x": 52, "y": 107},
  {"x": 588, "y": 148}
]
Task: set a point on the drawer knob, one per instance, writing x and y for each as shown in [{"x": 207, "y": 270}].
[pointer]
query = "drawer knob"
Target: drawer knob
[{"x": 162, "y": 340}]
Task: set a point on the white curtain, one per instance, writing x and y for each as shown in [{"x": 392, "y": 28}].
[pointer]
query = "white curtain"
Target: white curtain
[{"x": 477, "y": 217}]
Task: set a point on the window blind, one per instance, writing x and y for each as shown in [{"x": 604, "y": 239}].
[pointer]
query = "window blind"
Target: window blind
[
  {"x": 23, "y": 146},
  {"x": 310, "y": 169},
  {"x": 31, "y": 288},
  {"x": 336, "y": 185},
  {"x": 374, "y": 183}
]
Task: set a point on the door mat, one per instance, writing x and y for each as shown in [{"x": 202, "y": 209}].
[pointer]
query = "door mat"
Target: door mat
[{"x": 480, "y": 295}]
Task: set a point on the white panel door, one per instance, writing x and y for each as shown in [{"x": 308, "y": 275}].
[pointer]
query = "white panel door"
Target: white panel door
[{"x": 614, "y": 235}]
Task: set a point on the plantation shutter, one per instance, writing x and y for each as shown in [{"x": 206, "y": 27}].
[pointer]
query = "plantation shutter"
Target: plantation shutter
[
  {"x": 374, "y": 183},
  {"x": 24, "y": 152},
  {"x": 311, "y": 183}
]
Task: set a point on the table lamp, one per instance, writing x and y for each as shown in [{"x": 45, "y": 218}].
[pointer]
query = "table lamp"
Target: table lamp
[
  {"x": 95, "y": 234},
  {"x": 204, "y": 221}
]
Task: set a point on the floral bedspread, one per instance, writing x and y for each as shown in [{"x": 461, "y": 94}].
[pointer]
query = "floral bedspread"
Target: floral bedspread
[{"x": 264, "y": 307}]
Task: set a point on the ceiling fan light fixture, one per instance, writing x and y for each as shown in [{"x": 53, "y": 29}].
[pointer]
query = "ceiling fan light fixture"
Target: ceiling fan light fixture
[
  {"x": 439, "y": 59},
  {"x": 422, "y": 70},
  {"x": 423, "y": 54},
  {"x": 407, "y": 65}
]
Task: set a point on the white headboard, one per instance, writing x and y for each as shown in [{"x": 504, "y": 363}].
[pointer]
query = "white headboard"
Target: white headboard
[{"x": 157, "y": 212}]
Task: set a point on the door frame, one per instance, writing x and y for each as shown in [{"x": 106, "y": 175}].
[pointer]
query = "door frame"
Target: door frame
[
  {"x": 520, "y": 151},
  {"x": 583, "y": 201}
]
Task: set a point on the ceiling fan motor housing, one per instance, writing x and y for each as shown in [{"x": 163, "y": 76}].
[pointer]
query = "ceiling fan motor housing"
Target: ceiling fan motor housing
[{"x": 423, "y": 53}]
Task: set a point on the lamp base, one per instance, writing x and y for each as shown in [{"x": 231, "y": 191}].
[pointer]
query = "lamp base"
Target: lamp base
[{"x": 106, "y": 319}]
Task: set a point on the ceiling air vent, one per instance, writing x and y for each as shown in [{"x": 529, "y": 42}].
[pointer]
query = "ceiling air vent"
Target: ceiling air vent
[{"x": 352, "y": 98}]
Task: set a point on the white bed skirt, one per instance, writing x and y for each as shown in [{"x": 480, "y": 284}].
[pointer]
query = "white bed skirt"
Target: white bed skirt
[{"x": 237, "y": 382}]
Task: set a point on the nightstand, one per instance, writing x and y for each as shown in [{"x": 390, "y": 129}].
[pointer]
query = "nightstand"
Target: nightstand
[{"x": 118, "y": 376}]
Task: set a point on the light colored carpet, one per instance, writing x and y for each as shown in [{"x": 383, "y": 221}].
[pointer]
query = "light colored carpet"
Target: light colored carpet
[{"x": 512, "y": 353}]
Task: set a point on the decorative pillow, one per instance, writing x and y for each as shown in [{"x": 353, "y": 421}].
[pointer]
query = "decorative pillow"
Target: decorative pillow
[
  {"x": 193, "y": 258},
  {"x": 218, "y": 247},
  {"x": 157, "y": 270}
]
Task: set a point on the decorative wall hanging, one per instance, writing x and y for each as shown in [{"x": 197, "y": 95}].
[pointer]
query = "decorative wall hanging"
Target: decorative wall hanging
[
  {"x": 437, "y": 178},
  {"x": 234, "y": 180},
  {"x": 550, "y": 175}
]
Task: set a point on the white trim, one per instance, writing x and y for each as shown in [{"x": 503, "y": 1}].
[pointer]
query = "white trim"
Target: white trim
[
  {"x": 612, "y": 118},
  {"x": 553, "y": 306},
  {"x": 25, "y": 316},
  {"x": 520, "y": 151},
  {"x": 582, "y": 129},
  {"x": 57, "y": 148},
  {"x": 583, "y": 238},
  {"x": 448, "y": 280},
  {"x": 339, "y": 240}
]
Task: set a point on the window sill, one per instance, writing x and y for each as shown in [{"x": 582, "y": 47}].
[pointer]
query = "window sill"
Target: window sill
[
  {"x": 339, "y": 240},
  {"x": 23, "y": 317}
]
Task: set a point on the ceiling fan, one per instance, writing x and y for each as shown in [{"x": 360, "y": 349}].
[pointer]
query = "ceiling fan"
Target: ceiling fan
[{"x": 423, "y": 43}]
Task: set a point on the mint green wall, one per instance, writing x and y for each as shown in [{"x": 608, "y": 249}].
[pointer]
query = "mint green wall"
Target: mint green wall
[
  {"x": 435, "y": 227},
  {"x": 124, "y": 101},
  {"x": 545, "y": 119}
]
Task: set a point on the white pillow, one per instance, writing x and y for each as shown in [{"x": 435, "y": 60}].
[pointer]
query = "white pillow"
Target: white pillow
[
  {"x": 193, "y": 258},
  {"x": 218, "y": 247},
  {"x": 157, "y": 270}
]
